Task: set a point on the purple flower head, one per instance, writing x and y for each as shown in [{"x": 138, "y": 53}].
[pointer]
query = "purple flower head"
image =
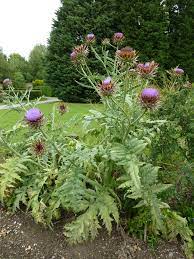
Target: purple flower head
[
  {"x": 107, "y": 81},
  {"x": 178, "y": 71},
  {"x": 79, "y": 53},
  {"x": 90, "y": 38},
  {"x": 107, "y": 86},
  {"x": 118, "y": 37},
  {"x": 149, "y": 97},
  {"x": 147, "y": 64},
  {"x": 149, "y": 68},
  {"x": 34, "y": 117},
  {"x": 73, "y": 55}
]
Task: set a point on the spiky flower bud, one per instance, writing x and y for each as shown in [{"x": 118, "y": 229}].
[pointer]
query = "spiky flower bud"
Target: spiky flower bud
[
  {"x": 90, "y": 38},
  {"x": 34, "y": 117},
  {"x": 106, "y": 41},
  {"x": 149, "y": 97},
  {"x": 39, "y": 147},
  {"x": 79, "y": 53},
  {"x": 149, "y": 68},
  {"x": 118, "y": 37},
  {"x": 62, "y": 107},
  {"x": 126, "y": 53},
  {"x": 107, "y": 86},
  {"x": 188, "y": 85}
]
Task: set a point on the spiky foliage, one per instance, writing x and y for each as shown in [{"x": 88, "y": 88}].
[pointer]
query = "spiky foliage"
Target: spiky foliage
[{"x": 11, "y": 173}]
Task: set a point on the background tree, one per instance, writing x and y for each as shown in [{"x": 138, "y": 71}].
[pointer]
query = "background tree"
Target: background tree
[
  {"x": 159, "y": 30},
  {"x": 181, "y": 34},
  {"x": 18, "y": 80},
  {"x": 145, "y": 24},
  {"x": 18, "y": 64},
  {"x": 4, "y": 66},
  {"x": 76, "y": 18},
  {"x": 37, "y": 62}
]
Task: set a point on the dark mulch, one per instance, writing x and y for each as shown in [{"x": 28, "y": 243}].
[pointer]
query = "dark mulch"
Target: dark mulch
[{"x": 21, "y": 238}]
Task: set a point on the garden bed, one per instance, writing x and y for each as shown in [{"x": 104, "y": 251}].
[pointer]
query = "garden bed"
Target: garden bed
[{"x": 20, "y": 237}]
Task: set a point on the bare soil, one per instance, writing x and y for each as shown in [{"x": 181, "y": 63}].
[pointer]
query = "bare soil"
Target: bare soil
[{"x": 22, "y": 238}]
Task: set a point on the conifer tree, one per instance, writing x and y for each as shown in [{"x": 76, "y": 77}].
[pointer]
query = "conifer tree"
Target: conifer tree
[
  {"x": 181, "y": 35},
  {"x": 145, "y": 24},
  {"x": 75, "y": 18}
]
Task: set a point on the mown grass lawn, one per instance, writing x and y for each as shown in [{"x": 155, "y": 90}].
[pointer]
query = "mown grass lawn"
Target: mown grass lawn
[
  {"x": 10, "y": 117},
  {"x": 75, "y": 111}
]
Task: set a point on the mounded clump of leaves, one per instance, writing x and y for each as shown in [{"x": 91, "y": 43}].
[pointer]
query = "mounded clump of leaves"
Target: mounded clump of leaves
[{"x": 105, "y": 170}]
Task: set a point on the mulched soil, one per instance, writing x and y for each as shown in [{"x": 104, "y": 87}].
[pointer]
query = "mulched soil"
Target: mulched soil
[{"x": 21, "y": 237}]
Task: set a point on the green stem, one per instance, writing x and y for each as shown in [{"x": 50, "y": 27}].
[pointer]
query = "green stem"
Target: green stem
[
  {"x": 121, "y": 108},
  {"x": 88, "y": 78},
  {"x": 18, "y": 154},
  {"x": 99, "y": 58},
  {"x": 10, "y": 148},
  {"x": 53, "y": 143},
  {"x": 131, "y": 124},
  {"x": 138, "y": 118}
]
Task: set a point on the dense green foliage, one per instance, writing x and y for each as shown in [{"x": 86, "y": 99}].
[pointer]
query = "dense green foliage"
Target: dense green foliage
[
  {"x": 75, "y": 19},
  {"x": 159, "y": 30},
  {"x": 18, "y": 64},
  {"x": 18, "y": 80},
  {"x": 37, "y": 62},
  {"x": 145, "y": 23},
  {"x": 181, "y": 34},
  {"x": 115, "y": 169},
  {"x": 4, "y": 66},
  {"x": 19, "y": 70}
]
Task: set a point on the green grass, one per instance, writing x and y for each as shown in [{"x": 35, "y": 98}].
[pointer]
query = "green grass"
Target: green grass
[{"x": 10, "y": 117}]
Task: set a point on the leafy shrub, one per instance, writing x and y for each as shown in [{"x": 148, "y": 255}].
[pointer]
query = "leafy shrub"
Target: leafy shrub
[
  {"x": 18, "y": 80},
  {"x": 46, "y": 90},
  {"x": 38, "y": 82},
  {"x": 107, "y": 171},
  {"x": 35, "y": 94}
]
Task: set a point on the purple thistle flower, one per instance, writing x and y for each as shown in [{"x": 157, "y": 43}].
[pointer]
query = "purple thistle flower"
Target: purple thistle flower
[
  {"x": 147, "y": 64},
  {"x": 149, "y": 97},
  {"x": 118, "y": 37},
  {"x": 107, "y": 86},
  {"x": 73, "y": 55},
  {"x": 107, "y": 81},
  {"x": 79, "y": 53},
  {"x": 178, "y": 71},
  {"x": 149, "y": 68},
  {"x": 90, "y": 38},
  {"x": 34, "y": 117}
]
